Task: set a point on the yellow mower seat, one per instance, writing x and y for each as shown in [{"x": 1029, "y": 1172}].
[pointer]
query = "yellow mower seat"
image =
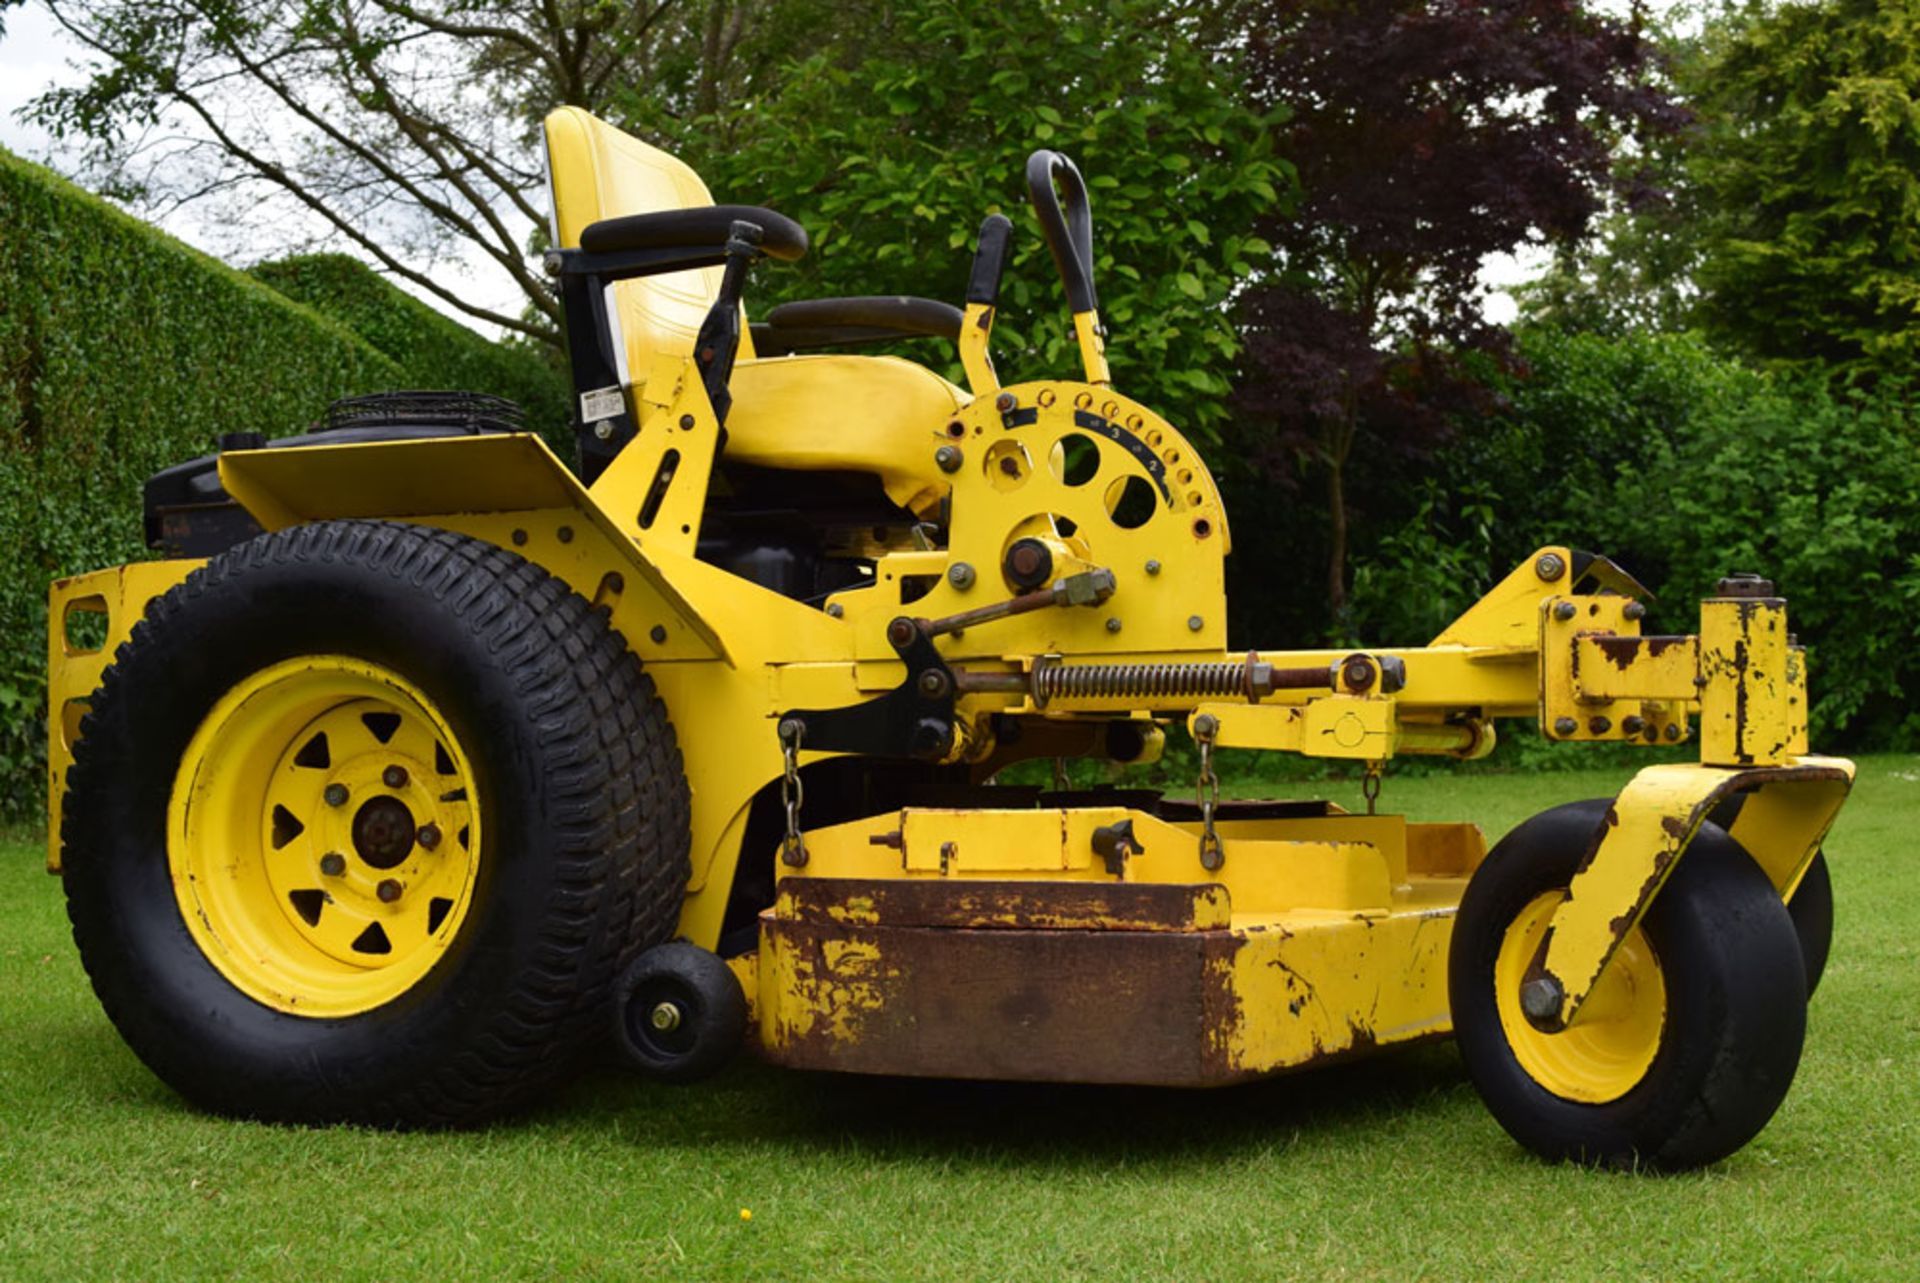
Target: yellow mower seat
[{"x": 878, "y": 415}]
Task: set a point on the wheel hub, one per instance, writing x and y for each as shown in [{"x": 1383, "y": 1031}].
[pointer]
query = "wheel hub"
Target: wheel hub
[{"x": 383, "y": 832}]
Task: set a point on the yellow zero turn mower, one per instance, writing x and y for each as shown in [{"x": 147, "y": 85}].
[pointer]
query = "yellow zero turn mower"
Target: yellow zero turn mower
[{"x": 421, "y": 758}]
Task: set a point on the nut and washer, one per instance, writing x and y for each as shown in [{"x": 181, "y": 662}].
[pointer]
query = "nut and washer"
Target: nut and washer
[
  {"x": 1549, "y": 566},
  {"x": 960, "y": 575},
  {"x": 665, "y": 1017},
  {"x": 949, "y": 457},
  {"x": 388, "y": 890}
]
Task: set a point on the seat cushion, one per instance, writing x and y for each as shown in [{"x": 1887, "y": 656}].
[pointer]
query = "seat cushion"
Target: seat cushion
[{"x": 873, "y": 414}]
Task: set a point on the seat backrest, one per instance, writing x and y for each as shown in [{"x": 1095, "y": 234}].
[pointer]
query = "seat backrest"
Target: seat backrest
[{"x": 594, "y": 172}]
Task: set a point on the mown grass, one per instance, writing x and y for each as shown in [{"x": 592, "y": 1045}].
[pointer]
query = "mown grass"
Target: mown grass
[{"x": 1389, "y": 1168}]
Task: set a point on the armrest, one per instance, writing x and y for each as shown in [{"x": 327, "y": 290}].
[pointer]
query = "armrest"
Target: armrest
[
  {"x": 702, "y": 228},
  {"x": 844, "y": 322}
]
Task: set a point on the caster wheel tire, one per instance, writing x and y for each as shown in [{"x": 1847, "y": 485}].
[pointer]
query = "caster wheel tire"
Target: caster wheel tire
[
  {"x": 364, "y": 822},
  {"x": 1686, "y": 1047},
  {"x": 679, "y": 1013},
  {"x": 1812, "y": 912}
]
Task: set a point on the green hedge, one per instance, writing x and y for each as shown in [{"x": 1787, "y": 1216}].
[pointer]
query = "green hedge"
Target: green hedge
[
  {"x": 123, "y": 351},
  {"x": 436, "y": 351},
  {"x": 1684, "y": 466}
]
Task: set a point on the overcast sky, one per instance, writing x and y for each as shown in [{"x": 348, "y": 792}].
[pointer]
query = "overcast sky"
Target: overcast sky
[{"x": 36, "y": 54}]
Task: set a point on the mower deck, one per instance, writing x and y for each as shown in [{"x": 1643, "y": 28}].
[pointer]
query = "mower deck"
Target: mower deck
[{"x": 1323, "y": 935}]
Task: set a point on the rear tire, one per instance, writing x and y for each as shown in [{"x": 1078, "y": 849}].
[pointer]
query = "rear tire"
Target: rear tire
[
  {"x": 513, "y": 691},
  {"x": 1724, "y": 962}
]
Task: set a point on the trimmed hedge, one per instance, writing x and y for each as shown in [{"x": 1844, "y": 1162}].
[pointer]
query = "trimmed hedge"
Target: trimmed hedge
[
  {"x": 123, "y": 351},
  {"x": 432, "y": 348}
]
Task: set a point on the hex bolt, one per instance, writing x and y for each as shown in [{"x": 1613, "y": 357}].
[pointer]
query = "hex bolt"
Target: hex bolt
[
  {"x": 333, "y": 864},
  {"x": 336, "y": 795},
  {"x": 1565, "y": 726},
  {"x": 1540, "y": 999},
  {"x": 1195, "y": 623},
  {"x": 1005, "y": 402},
  {"x": 835, "y": 610},
  {"x": 1113, "y": 625},
  {"x": 1634, "y": 610},
  {"x": 949, "y": 457},
  {"x": 665, "y": 1017},
  {"x": 900, "y": 631},
  {"x": 428, "y": 836},
  {"x": 658, "y": 634},
  {"x": 1549, "y": 566},
  {"x": 394, "y": 777},
  {"x": 934, "y": 684},
  {"x": 1564, "y": 611},
  {"x": 960, "y": 575},
  {"x": 388, "y": 890},
  {"x": 1599, "y": 725},
  {"x": 1153, "y": 567},
  {"x": 1633, "y": 725}
]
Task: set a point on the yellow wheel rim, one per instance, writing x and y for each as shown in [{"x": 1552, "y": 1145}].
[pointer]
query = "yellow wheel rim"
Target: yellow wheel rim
[
  {"x": 1612, "y": 1042},
  {"x": 323, "y": 837}
]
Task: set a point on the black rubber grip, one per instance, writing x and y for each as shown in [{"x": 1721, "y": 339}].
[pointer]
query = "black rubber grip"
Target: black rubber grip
[
  {"x": 1067, "y": 225},
  {"x": 781, "y": 237},
  {"x": 989, "y": 260},
  {"x": 895, "y": 312}
]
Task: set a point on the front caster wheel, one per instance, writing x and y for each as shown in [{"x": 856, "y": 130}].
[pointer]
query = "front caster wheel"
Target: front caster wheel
[
  {"x": 679, "y": 1013},
  {"x": 1686, "y": 1047}
]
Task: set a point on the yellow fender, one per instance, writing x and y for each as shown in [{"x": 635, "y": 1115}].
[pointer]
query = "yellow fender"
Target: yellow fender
[{"x": 1648, "y": 828}]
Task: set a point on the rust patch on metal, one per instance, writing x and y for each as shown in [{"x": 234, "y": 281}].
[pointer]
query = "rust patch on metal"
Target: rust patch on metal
[
  {"x": 978, "y": 904},
  {"x": 1151, "y": 1008},
  {"x": 1611, "y": 820}
]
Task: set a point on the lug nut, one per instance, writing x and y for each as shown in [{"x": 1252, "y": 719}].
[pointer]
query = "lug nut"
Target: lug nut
[
  {"x": 388, "y": 890},
  {"x": 1540, "y": 998},
  {"x": 394, "y": 777},
  {"x": 333, "y": 864},
  {"x": 428, "y": 836},
  {"x": 336, "y": 795},
  {"x": 664, "y": 1017}
]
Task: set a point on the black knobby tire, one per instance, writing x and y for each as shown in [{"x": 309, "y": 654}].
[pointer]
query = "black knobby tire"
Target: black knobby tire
[
  {"x": 1735, "y": 993},
  {"x": 579, "y": 775},
  {"x": 708, "y": 1004}
]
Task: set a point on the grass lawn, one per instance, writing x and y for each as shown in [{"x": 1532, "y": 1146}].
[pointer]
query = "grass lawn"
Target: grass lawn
[{"x": 1388, "y": 1168}]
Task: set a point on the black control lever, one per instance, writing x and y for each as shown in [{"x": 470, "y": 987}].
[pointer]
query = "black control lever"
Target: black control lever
[
  {"x": 719, "y": 339},
  {"x": 989, "y": 260}
]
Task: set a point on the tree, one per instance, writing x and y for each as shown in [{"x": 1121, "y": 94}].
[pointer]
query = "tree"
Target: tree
[
  {"x": 407, "y": 129},
  {"x": 890, "y": 147},
  {"x": 1808, "y": 174},
  {"x": 1427, "y": 136}
]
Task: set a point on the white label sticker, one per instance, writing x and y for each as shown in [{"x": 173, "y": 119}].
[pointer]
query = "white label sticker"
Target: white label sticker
[{"x": 601, "y": 403}]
